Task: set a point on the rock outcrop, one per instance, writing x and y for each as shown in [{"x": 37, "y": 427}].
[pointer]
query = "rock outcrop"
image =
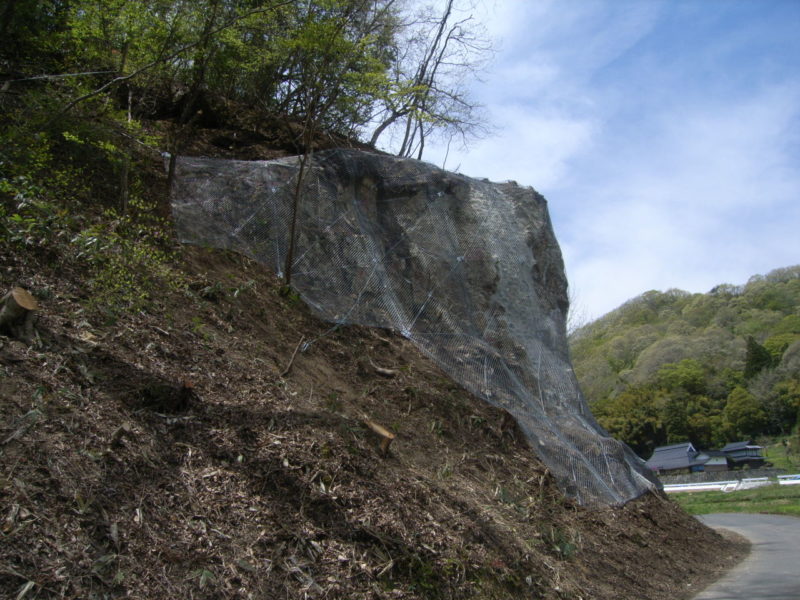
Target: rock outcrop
[{"x": 468, "y": 270}]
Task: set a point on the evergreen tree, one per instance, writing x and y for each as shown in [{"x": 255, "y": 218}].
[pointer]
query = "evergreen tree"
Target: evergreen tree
[{"x": 756, "y": 359}]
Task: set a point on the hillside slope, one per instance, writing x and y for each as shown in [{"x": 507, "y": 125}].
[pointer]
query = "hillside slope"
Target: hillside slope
[
  {"x": 153, "y": 441},
  {"x": 165, "y": 452}
]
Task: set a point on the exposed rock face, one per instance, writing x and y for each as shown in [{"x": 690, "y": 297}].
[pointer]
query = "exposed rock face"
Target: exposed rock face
[{"x": 470, "y": 271}]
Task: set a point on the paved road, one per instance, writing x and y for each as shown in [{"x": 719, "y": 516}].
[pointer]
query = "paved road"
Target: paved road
[{"x": 772, "y": 570}]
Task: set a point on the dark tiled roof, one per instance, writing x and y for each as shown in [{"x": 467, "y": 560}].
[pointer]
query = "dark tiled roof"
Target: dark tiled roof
[
  {"x": 738, "y": 446},
  {"x": 683, "y": 445},
  {"x": 677, "y": 456}
]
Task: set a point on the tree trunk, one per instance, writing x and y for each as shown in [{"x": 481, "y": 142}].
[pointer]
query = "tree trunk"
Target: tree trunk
[
  {"x": 5, "y": 18},
  {"x": 16, "y": 314},
  {"x": 382, "y": 127},
  {"x": 298, "y": 191}
]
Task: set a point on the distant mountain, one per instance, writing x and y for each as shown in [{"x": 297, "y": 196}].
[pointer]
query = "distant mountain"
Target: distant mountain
[{"x": 707, "y": 368}]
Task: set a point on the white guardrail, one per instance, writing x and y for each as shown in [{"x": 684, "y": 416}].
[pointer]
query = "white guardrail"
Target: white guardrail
[{"x": 733, "y": 485}]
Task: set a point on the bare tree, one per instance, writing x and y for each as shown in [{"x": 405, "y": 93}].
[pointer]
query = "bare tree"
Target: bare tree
[
  {"x": 577, "y": 314},
  {"x": 426, "y": 92}
]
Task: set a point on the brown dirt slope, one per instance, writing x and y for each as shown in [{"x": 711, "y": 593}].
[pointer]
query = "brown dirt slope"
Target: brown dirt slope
[{"x": 165, "y": 453}]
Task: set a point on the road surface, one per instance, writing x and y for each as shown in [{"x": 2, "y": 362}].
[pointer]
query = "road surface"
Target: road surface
[{"x": 772, "y": 570}]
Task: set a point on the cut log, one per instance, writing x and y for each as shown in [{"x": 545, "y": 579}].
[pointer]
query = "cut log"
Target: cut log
[
  {"x": 386, "y": 437},
  {"x": 16, "y": 314}
]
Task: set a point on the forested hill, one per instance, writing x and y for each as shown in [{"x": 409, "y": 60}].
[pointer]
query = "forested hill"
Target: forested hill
[{"x": 709, "y": 368}]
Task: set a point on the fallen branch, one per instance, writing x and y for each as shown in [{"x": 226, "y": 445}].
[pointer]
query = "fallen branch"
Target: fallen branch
[
  {"x": 382, "y": 371},
  {"x": 291, "y": 360}
]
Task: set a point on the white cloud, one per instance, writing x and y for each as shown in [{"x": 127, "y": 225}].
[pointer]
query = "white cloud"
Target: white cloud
[
  {"x": 711, "y": 198},
  {"x": 664, "y": 165},
  {"x": 541, "y": 146}
]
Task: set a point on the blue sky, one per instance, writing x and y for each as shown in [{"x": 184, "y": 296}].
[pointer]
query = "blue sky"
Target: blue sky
[{"x": 664, "y": 134}]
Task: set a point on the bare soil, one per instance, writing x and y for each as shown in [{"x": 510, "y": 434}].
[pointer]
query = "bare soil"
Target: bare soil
[
  {"x": 164, "y": 456},
  {"x": 168, "y": 453}
]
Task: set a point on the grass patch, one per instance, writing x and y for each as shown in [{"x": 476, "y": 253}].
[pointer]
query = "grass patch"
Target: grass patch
[
  {"x": 784, "y": 455},
  {"x": 776, "y": 499}
]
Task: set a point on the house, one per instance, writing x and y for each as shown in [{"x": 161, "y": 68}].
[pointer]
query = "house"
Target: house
[
  {"x": 714, "y": 460},
  {"x": 685, "y": 458},
  {"x": 741, "y": 454},
  {"x": 677, "y": 458}
]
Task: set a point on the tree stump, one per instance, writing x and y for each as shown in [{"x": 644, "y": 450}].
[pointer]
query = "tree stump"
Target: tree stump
[
  {"x": 17, "y": 310},
  {"x": 385, "y": 436}
]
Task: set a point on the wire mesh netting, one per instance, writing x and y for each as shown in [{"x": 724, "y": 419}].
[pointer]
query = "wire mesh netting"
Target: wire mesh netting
[{"x": 468, "y": 270}]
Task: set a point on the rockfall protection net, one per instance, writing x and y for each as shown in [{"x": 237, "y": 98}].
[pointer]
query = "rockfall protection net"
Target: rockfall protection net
[{"x": 468, "y": 270}]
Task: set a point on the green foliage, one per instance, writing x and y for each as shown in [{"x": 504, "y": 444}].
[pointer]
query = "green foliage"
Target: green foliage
[
  {"x": 743, "y": 414},
  {"x": 335, "y": 65},
  {"x": 54, "y": 180},
  {"x": 31, "y": 32},
  {"x": 775, "y": 293},
  {"x": 688, "y": 375},
  {"x": 35, "y": 224},
  {"x": 789, "y": 393},
  {"x": 789, "y": 324},
  {"x": 756, "y": 359},
  {"x": 332, "y": 60},
  {"x": 126, "y": 263},
  {"x": 562, "y": 543},
  {"x": 53, "y": 184},
  {"x": 204, "y": 577},
  {"x": 777, "y": 344},
  {"x": 707, "y": 368},
  {"x": 634, "y": 416},
  {"x": 701, "y": 309}
]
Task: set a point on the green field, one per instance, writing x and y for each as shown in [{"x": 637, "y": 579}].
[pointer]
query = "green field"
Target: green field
[{"x": 778, "y": 499}]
